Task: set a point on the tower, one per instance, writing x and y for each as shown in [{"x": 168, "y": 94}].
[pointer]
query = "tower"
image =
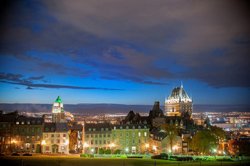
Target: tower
[
  {"x": 58, "y": 115},
  {"x": 179, "y": 103}
]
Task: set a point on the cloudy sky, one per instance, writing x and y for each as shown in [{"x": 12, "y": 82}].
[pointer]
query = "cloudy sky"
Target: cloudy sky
[{"x": 124, "y": 51}]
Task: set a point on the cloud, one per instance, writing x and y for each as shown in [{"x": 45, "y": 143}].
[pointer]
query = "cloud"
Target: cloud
[
  {"x": 141, "y": 41},
  {"x": 17, "y": 79}
]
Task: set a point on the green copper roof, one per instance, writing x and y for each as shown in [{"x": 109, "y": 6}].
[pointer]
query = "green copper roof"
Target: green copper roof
[{"x": 58, "y": 100}]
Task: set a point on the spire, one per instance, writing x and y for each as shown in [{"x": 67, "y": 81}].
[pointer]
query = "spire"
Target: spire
[{"x": 181, "y": 84}]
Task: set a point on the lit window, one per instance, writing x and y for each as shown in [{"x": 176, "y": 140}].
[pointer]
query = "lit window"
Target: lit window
[
  {"x": 17, "y": 122},
  {"x": 145, "y": 134},
  {"x": 22, "y": 122},
  {"x": 139, "y": 134}
]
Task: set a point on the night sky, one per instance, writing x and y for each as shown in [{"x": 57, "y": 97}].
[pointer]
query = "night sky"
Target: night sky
[{"x": 124, "y": 51}]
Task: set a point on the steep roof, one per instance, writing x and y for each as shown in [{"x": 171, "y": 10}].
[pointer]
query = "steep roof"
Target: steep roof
[{"x": 58, "y": 100}]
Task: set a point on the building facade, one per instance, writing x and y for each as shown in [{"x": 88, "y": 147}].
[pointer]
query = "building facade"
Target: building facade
[
  {"x": 27, "y": 134},
  {"x": 178, "y": 103},
  {"x": 55, "y": 138},
  {"x": 97, "y": 136},
  {"x": 131, "y": 138}
]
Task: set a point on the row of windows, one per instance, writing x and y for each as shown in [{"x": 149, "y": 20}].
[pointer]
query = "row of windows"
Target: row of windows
[
  {"x": 96, "y": 135},
  {"x": 56, "y": 141},
  {"x": 133, "y": 127},
  {"x": 133, "y": 134},
  {"x": 102, "y": 129},
  {"x": 28, "y": 122},
  {"x": 29, "y": 129},
  {"x": 54, "y": 135},
  {"x": 47, "y": 148},
  {"x": 100, "y": 142}
]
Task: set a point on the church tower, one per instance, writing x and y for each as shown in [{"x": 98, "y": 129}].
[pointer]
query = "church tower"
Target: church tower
[
  {"x": 179, "y": 103},
  {"x": 58, "y": 115}
]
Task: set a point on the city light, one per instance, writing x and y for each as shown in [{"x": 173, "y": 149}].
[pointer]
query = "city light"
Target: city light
[
  {"x": 43, "y": 142},
  {"x": 85, "y": 145},
  {"x": 66, "y": 142}
]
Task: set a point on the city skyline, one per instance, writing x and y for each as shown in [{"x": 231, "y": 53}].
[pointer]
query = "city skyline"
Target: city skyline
[{"x": 124, "y": 52}]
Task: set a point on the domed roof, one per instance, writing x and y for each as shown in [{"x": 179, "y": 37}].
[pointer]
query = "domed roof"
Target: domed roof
[{"x": 178, "y": 93}]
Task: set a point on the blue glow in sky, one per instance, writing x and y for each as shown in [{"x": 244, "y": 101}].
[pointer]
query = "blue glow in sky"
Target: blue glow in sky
[{"x": 124, "y": 52}]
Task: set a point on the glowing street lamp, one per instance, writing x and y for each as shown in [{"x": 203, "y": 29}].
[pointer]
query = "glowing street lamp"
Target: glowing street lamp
[
  {"x": 85, "y": 146},
  {"x": 112, "y": 145},
  {"x": 146, "y": 146},
  {"x": 14, "y": 142},
  {"x": 43, "y": 143},
  {"x": 66, "y": 142},
  {"x": 154, "y": 148},
  {"x": 126, "y": 150}
]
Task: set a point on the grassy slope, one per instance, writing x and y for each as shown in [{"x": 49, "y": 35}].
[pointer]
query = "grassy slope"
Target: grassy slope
[{"x": 76, "y": 161}]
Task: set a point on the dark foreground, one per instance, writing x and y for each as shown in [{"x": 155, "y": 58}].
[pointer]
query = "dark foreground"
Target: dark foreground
[{"x": 77, "y": 161}]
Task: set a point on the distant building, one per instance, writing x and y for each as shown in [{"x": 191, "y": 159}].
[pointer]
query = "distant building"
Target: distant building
[
  {"x": 55, "y": 138},
  {"x": 178, "y": 103},
  {"x": 58, "y": 114}
]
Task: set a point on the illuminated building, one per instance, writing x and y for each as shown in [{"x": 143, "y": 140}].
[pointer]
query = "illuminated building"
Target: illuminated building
[
  {"x": 55, "y": 138},
  {"x": 96, "y": 136},
  {"x": 58, "y": 115},
  {"x": 131, "y": 138},
  {"x": 179, "y": 103}
]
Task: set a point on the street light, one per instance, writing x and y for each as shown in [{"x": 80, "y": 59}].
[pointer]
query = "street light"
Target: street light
[
  {"x": 85, "y": 146},
  {"x": 111, "y": 146},
  {"x": 14, "y": 142},
  {"x": 126, "y": 150},
  {"x": 43, "y": 143},
  {"x": 147, "y": 146},
  {"x": 154, "y": 148}
]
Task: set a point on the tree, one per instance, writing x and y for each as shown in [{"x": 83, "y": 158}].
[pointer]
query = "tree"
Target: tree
[
  {"x": 203, "y": 141},
  {"x": 72, "y": 140},
  {"x": 172, "y": 132},
  {"x": 218, "y": 132}
]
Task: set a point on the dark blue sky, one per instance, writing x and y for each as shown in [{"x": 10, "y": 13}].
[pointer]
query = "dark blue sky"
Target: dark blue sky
[{"x": 128, "y": 52}]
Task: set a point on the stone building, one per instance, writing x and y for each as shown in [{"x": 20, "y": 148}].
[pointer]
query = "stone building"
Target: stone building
[
  {"x": 97, "y": 136},
  {"x": 55, "y": 138},
  {"x": 178, "y": 103},
  {"x": 131, "y": 138},
  {"x": 27, "y": 134}
]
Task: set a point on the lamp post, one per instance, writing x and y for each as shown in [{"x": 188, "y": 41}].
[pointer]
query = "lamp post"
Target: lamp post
[
  {"x": 85, "y": 146},
  {"x": 14, "y": 142},
  {"x": 214, "y": 151},
  {"x": 66, "y": 144},
  {"x": 146, "y": 146},
  {"x": 43, "y": 144},
  {"x": 112, "y": 145},
  {"x": 154, "y": 148}
]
